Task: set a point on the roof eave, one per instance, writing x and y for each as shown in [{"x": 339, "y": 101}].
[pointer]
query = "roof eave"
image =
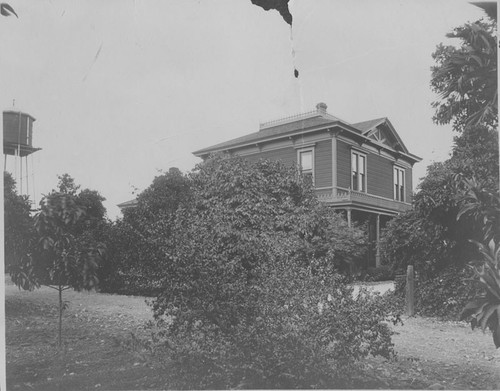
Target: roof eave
[{"x": 210, "y": 150}]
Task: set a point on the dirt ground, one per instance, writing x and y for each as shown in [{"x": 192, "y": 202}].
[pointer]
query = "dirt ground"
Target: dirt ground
[{"x": 101, "y": 351}]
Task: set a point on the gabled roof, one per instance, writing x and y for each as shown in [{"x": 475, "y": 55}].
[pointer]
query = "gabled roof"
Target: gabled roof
[
  {"x": 369, "y": 125},
  {"x": 319, "y": 119},
  {"x": 382, "y": 124}
]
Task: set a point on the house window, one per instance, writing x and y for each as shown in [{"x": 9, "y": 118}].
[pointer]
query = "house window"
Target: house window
[
  {"x": 399, "y": 184},
  {"x": 306, "y": 164},
  {"x": 358, "y": 164}
]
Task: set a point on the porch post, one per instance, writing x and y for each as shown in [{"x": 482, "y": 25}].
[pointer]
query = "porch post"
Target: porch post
[
  {"x": 377, "y": 251},
  {"x": 349, "y": 217}
]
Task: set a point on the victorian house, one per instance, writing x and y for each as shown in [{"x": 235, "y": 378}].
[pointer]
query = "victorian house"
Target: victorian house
[{"x": 363, "y": 169}]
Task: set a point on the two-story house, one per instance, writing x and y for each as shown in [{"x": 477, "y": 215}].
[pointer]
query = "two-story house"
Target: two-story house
[{"x": 363, "y": 169}]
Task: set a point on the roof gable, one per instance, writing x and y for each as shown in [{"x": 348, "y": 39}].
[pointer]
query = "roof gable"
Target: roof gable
[{"x": 382, "y": 132}]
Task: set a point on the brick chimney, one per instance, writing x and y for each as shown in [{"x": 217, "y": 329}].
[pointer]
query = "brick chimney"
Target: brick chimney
[{"x": 321, "y": 108}]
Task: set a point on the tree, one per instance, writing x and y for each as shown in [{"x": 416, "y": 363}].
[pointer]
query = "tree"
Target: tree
[
  {"x": 63, "y": 260},
  {"x": 465, "y": 78},
  {"x": 90, "y": 201},
  {"x": 19, "y": 232},
  {"x": 61, "y": 248},
  {"x": 134, "y": 257},
  {"x": 430, "y": 237},
  {"x": 66, "y": 184},
  {"x": 162, "y": 198},
  {"x": 251, "y": 258}
]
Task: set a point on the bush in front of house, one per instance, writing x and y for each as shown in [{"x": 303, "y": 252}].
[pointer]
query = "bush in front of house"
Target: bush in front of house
[
  {"x": 445, "y": 295},
  {"x": 297, "y": 330},
  {"x": 251, "y": 298}
]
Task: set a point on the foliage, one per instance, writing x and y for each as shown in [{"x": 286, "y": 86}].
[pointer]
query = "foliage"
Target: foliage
[
  {"x": 484, "y": 311},
  {"x": 430, "y": 237},
  {"x": 445, "y": 294},
  {"x": 135, "y": 257},
  {"x": 18, "y": 229},
  {"x": 475, "y": 154},
  {"x": 63, "y": 258},
  {"x": 161, "y": 199},
  {"x": 66, "y": 258},
  {"x": 410, "y": 239},
  {"x": 465, "y": 78},
  {"x": 483, "y": 205},
  {"x": 61, "y": 248},
  {"x": 305, "y": 331},
  {"x": 67, "y": 184},
  {"x": 250, "y": 258}
]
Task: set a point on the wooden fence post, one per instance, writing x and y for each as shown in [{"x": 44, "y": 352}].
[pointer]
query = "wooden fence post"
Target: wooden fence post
[{"x": 410, "y": 291}]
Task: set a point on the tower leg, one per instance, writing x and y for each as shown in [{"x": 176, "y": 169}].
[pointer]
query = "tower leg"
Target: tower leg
[{"x": 377, "y": 249}]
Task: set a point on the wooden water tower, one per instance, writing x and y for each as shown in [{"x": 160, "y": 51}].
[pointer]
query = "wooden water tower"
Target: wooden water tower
[{"x": 18, "y": 143}]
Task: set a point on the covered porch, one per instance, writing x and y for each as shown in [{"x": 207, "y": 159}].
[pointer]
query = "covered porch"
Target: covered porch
[{"x": 362, "y": 208}]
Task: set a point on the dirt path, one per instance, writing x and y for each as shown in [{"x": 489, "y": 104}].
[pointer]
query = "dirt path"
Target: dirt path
[
  {"x": 445, "y": 355},
  {"x": 100, "y": 352}
]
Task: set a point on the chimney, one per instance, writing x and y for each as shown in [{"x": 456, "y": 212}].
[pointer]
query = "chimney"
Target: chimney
[{"x": 321, "y": 108}]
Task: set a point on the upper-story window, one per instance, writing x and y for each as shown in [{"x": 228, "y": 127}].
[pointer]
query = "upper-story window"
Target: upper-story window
[
  {"x": 399, "y": 184},
  {"x": 306, "y": 163},
  {"x": 358, "y": 164}
]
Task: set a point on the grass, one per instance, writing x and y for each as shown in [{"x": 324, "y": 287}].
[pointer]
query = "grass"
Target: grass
[{"x": 100, "y": 342}]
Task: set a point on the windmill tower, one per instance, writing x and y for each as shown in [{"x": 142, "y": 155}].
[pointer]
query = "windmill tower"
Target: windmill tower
[{"x": 18, "y": 144}]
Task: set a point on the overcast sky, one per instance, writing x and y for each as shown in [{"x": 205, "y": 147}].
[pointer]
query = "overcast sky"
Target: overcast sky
[{"x": 121, "y": 89}]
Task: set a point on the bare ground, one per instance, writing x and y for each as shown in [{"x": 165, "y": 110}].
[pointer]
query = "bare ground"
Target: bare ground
[{"x": 101, "y": 351}]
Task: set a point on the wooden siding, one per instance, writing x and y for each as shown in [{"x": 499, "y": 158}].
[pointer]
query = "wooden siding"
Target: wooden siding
[
  {"x": 343, "y": 164},
  {"x": 286, "y": 155},
  {"x": 323, "y": 164},
  {"x": 379, "y": 169},
  {"x": 409, "y": 185},
  {"x": 379, "y": 176}
]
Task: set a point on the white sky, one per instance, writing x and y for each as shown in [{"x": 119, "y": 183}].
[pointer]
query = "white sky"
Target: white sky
[{"x": 121, "y": 89}]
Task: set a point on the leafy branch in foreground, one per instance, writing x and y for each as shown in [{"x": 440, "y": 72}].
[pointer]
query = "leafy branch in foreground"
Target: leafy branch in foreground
[
  {"x": 483, "y": 205},
  {"x": 465, "y": 78}
]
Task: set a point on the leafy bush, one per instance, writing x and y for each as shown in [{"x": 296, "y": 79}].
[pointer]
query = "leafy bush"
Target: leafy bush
[
  {"x": 138, "y": 245},
  {"x": 482, "y": 204},
  {"x": 484, "y": 310},
  {"x": 300, "y": 331},
  {"x": 250, "y": 295},
  {"x": 446, "y": 294}
]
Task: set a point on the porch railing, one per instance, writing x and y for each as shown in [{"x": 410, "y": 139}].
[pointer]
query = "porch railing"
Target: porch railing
[{"x": 342, "y": 195}]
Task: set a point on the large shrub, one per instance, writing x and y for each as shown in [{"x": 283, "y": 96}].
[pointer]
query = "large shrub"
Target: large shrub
[
  {"x": 301, "y": 331},
  {"x": 411, "y": 239},
  {"x": 446, "y": 294},
  {"x": 139, "y": 244},
  {"x": 250, "y": 295}
]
